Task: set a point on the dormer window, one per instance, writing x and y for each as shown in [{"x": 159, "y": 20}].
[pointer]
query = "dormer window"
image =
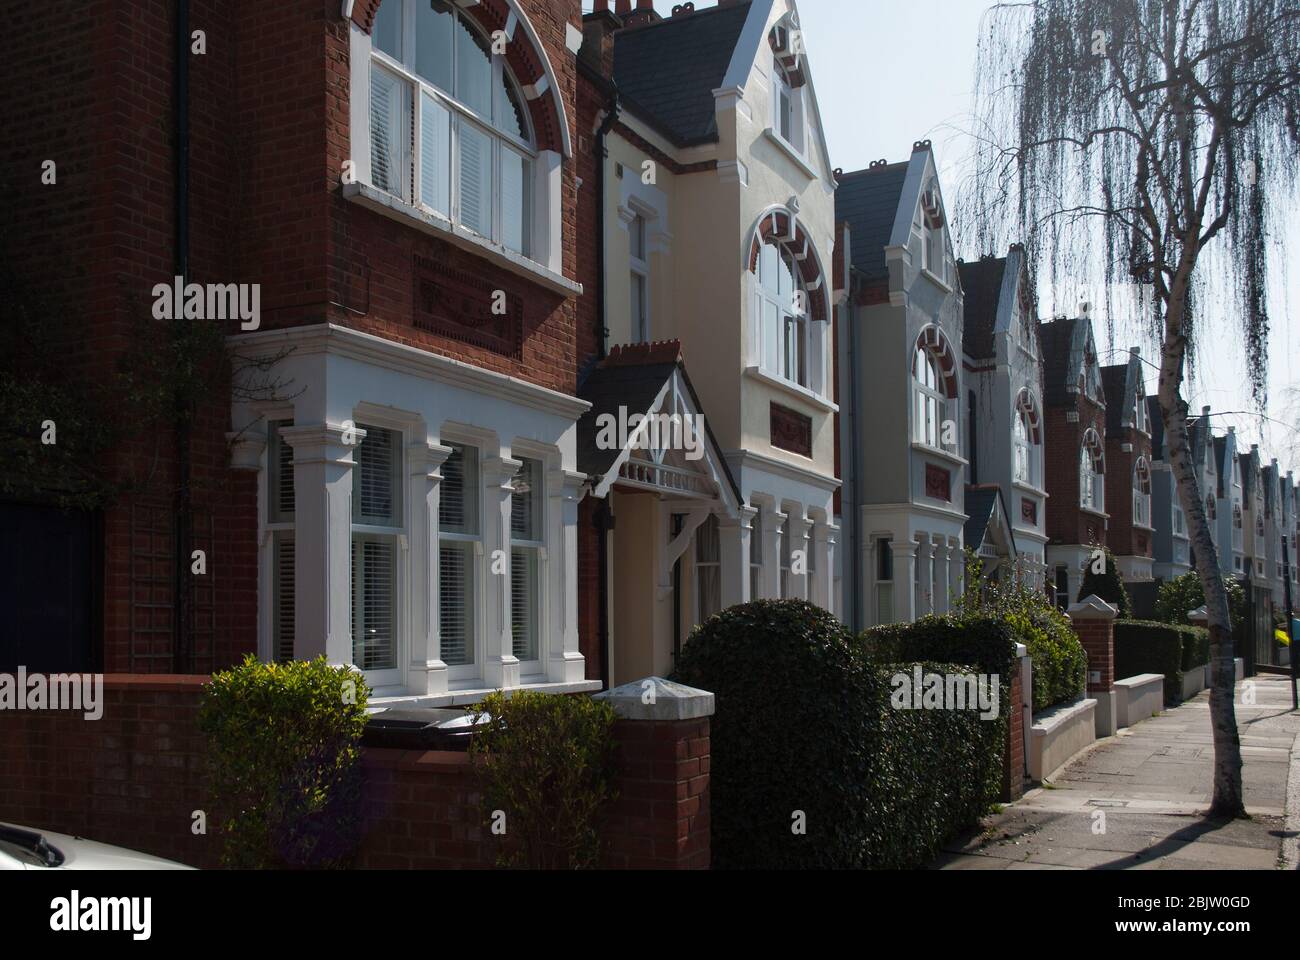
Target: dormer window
[
  {"x": 933, "y": 256},
  {"x": 449, "y": 130},
  {"x": 1092, "y": 469}
]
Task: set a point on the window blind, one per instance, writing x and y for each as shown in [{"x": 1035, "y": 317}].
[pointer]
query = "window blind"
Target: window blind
[
  {"x": 458, "y": 492},
  {"x": 280, "y": 475},
  {"x": 475, "y": 179},
  {"x": 523, "y": 602},
  {"x": 283, "y": 605},
  {"x": 435, "y": 155},
  {"x": 525, "y": 502},
  {"x": 389, "y": 110},
  {"x": 373, "y": 603},
  {"x": 455, "y": 602},
  {"x": 376, "y": 484}
]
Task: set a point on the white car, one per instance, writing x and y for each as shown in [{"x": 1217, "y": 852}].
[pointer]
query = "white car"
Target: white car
[{"x": 23, "y": 848}]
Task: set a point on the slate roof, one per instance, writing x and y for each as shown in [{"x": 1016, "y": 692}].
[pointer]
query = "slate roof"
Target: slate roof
[
  {"x": 1114, "y": 385},
  {"x": 666, "y": 72},
  {"x": 1057, "y": 340},
  {"x": 981, "y": 498},
  {"x": 868, "y": 201},
  {"x": 981, "y": 283}
]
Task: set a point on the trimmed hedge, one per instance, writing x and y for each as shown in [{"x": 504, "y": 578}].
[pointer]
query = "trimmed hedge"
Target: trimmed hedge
[
  {"x": 1059, "y": 661},
  {"x": 1146, "y": 646},
  {"x": 804, "y": 723},
  {"x": 1196, "y": 647},
  {"x": 1108, "y": 585}
]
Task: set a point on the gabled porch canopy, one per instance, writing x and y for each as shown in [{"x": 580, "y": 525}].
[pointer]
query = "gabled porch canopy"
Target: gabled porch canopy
[
  {"x": 646, "y": 430},
  {"x": 988, "y": 528}
]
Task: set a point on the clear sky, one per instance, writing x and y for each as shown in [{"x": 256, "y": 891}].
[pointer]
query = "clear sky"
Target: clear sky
[{"x": 890, "y": 72}]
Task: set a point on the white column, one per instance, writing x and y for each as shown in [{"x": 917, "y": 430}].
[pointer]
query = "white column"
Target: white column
[
  {"x": 956, "y": 566},
  {"x": 941, "y": 568},
  {"x": 564, "y": 661},
  {"x": 500, "y": 665},
  {"x": 322, "y": 533},
  {"x": 905, "y": 580},
  {"x": 772, "y": 521},
  {"x": 822, "y": 589},
  {"x": 799, "y": 528},
  {"x": 925, "y": 588},
  {"x": 733, "y": 537},
  {"x": 426, "y": 672}
]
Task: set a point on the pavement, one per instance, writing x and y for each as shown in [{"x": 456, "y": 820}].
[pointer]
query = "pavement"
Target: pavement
[{"x": 1135, "y": 801}]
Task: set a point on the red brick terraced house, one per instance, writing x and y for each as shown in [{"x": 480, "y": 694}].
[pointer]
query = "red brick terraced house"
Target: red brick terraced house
[
  {"x": 1075, "y": 470},
  {"x": 1128, "y": 455},
  {"x": 398, "y": 491}
]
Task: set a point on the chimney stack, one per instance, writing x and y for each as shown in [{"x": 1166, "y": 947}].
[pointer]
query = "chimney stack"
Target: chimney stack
[{"x": 622, "y": 7}]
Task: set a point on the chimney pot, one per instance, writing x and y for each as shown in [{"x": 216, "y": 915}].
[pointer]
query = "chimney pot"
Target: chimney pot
[{"x": 1205, "y": 411}]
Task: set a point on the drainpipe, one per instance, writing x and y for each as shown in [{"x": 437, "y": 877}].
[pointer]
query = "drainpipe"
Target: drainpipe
[
  {"x": 602, "y": 154},
  {"x": 182, "y": 545},
  {"x": 855, "y": 541}
]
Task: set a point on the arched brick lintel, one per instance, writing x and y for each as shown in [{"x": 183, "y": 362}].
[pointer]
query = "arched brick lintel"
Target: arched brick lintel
[
  {"x": 774, "y": 227},
  {"x": 933, "y": 341},
  {"x": 1027, "y": 402},
  {"x": 526, "y": 62}
]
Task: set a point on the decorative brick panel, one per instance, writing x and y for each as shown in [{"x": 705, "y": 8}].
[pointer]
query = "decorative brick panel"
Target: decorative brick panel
[
  {"x": 1028, "y": 510},
  {"x": 791, "y": 430},
  {"x": 938, "y": 483}
]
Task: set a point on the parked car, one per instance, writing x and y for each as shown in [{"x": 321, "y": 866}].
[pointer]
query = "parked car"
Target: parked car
[{"x": 25, "y": 848}]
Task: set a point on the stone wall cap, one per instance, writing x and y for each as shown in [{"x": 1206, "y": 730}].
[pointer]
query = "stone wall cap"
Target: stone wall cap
[
  {"x": 1199, "y": 614},
  {"x": 1093, "y": 607},
  {"x": 655, "y": 698}
]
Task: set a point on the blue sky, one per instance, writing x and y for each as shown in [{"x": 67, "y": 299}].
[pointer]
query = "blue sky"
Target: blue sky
[{"x": 890, "y": 72}]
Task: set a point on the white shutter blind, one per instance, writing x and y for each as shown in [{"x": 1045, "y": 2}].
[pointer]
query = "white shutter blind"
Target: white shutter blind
[
  {"x": 475, "y": 179},
  {"x": 458, "y": 492},
  {"x": 455, "y": 603},
  {"x": 376, "y": 484},
  {"x": 523, "y": 602},
  {"x": 280, "y": 475},
  {"x": 524, "y": 519},
  {"x": 283, "y": 606},
  {"x": 373, "y": 635},
  {"x": 389, "y": 110},
  {"x": 435, "y": 155},
  {"x": 514, "y": 200}
]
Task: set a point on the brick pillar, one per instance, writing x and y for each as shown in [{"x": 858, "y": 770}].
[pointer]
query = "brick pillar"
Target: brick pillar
[
  {"x": 1094, "y": 622},
  {"x": 660, "y": 820},
  {"x": 1013, "y": 766}
]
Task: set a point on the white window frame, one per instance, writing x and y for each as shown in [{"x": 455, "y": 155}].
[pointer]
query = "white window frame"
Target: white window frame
[
  {"x": 638, "y": 234},
  {"x": 472, "y": 544},
  {"x": 929, "y": 401},
  {"x": 416, "y": 89},
  {"x": 1141, "y": 497},
  {"x": 534, "y": 548},
  {"x": 707, "y": 528},
  {"x": 791, "y": 316},
  {"x": 395, "y": 535},
  {"x": 1026, "y": 453},
  {"x": 1092, "y": 481},
  {"x": 787, "y": 109}
]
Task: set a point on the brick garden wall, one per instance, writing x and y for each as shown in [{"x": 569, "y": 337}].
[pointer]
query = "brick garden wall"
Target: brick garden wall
[{"x": 134, "y": 777}]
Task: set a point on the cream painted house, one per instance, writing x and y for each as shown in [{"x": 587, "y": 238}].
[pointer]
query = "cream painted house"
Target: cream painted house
[{"x": 718, "y": 221}]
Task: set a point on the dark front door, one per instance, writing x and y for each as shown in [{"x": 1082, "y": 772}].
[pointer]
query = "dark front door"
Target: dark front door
[{"x": 48, "y": 563}]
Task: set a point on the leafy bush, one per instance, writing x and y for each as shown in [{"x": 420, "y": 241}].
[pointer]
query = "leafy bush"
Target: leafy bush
[
  {"x": 797, "y": 725},
  {"x": 1060, "y": 663},
  {"x": 1181, "y": 594},
  {"x": 1145, "y": 646},
  {"x": 1108, "y": 585},
  {"x": 804, "y": 723},
  {"x": 547, "y": 762},
  {"x": 285, "y": 748}
]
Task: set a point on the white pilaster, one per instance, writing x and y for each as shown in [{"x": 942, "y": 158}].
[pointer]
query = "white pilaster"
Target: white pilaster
[
  {"x": 564, "y": 661},
  {"x": 426, "y": 673},
  {"x": 772, "y": 521},
  {"x": 500, "y": 665},
  {"x": 905, "y": 580},
  {"x": 799, "y": 529},
  {"x": 733, "y": 536},
  {"x": 822, "y": 588},
  {"x": 956, "y": 567},
  {"x": 942, "y": 601}
]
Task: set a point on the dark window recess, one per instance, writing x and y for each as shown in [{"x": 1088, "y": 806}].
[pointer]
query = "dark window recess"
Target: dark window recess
[
  {"x": 791, "y": 430},
  {"x": 465, "y": 307},
  {"x": 49, "y": 589},
  {"x": 1028, "y": 511},
  {"x": 938, "y": 483},
  {"x": 1062, "y": 588}
]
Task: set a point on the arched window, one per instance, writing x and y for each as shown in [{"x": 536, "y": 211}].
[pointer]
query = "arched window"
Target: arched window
[
  {"x": 931, "y": 401},
  {"x": 449, "y": 132},
  {"x": 1092, "y": 469},
  {"x": 1026, "y": 439},
  {"x": 1142, "y": 493},
  {"x": 783, "y": 307}
]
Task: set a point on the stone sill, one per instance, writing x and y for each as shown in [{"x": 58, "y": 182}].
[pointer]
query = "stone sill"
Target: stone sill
[{"x": 469, "y": 696}]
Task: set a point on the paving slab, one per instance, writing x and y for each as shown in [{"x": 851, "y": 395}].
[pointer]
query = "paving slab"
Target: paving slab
[{"x": 1135, "y": 801}]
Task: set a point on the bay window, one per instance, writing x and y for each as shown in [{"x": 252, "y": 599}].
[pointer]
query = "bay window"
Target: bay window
[
  {"x": 449, "y": 132},
  {"x": 459, "y": 544},
  {"x": 376, "y": 531},
  {"x": 527, "y": 519}
]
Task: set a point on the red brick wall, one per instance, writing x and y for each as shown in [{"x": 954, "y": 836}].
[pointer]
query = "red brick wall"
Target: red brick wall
[
  {"x": 1066, "y": 523},
  {"x": 134, "y": 777},
  {"x": 1124, "y": 539},
  {"x": 1098, "y": 639}
]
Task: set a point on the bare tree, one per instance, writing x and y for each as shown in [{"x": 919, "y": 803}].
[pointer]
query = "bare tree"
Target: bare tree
[{"x": 1152, "y": 144}]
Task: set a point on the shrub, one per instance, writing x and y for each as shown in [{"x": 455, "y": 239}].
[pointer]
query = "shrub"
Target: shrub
[
  {"x": 797, "y": 723},
  {"x": 547, "y": 762},
  {"x": 1196, "y": 647},
  {"x": 285, "y": 748},
  {"x": 1145, "y": 646},
  {"x": 1108, "y": 585},
  {"x": 1059, "y": 662},
  {"x": 1181, "y": 594}
]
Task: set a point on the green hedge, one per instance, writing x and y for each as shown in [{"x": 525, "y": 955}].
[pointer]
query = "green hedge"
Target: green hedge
[
  {"x": 804, "y": 723},
  {"x": 1146, "y": 646},
  {"x": 1060, "y": 663},
  {"x": 285, "y": 748},
  {"x": 1196, "y": 647}
]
